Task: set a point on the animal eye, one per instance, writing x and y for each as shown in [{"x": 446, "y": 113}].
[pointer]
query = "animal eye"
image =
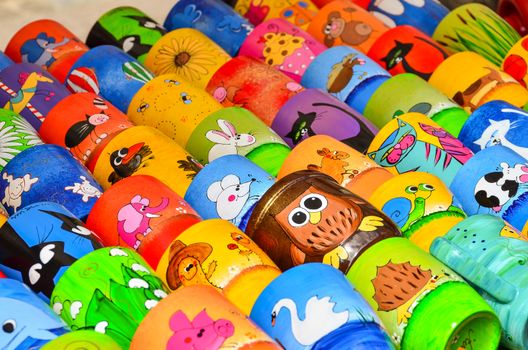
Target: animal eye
[
  {"x": 314, "y": 202},
  {"x": 117, "y": 161},
  {"x": 143, "y": 107},
  {"x": 426, "y": 187},
  {"x": 188, "y": 267},
  {"x": 9, "y": 326},
  {"x": 149, "y": 24},
  {"x": 298, "y": 217},
  {"x": 411, "y": 189},
  {"x": 128, "y": 44},
  {"x": 122, "y": 152},
  {"x": 47, "y": 253},
  {"x": 327, "y": 29}
]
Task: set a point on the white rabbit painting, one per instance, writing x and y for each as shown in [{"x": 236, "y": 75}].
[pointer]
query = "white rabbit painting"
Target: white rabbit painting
[{"x": 227, "y": 140}]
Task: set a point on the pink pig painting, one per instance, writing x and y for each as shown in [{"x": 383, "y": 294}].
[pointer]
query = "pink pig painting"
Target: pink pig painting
[
  {"x": 201, "y": 334},
  {"x": 134, "y": 219}
]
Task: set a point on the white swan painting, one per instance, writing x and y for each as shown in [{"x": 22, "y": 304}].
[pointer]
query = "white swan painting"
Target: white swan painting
[{"x": 319, "y": 320}]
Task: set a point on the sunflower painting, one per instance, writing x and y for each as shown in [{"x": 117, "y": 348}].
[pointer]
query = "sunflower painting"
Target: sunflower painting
[{"x": 187, "y": 53}]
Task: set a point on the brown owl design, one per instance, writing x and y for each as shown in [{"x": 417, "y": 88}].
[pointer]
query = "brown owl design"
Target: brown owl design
[
  {"x": 318, "y": 224},
  {"x": 308, "y": 217}
]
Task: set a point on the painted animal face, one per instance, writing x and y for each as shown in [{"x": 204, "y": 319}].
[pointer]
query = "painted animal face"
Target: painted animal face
[
  {"x": 317, "y": 222},
  {"x": 127, "y": 160},
  {"x": 397, "y": 54},
  {"x": 229, "y": 195},
  {"x": 97, "y": 119},
  {"x": 20, "y": 321},
  {"x": 396, "y": 147},
  {"x": 202, "y": 333},
  {"x": 302, "y": 127},
  {"x": 188, "y": 268}
]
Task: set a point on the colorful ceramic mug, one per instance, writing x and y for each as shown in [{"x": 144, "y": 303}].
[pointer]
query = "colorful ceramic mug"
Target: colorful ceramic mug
[
  {"x": 496, "y": 123},
  {"x": 228, "y": 188},
  {"x": 40, "y": 242},
  {"x": 282, "y": 45},
  {"x": 471, "y": 80},
  {"x": 314, "y": 112},
  {"x": 492, "y": 182},
  {"x": 308, "y": 217},
  {"x": 30, "y": 91},
  {"x": 420, "y": 204},
  {"x": 348, "y": 167},
  {"x": 413, "y": 142},
  {"x": 128, "y": 28},
  {"x": 245, "y": 82},
  {"x": 82, "y": 340},
  {"x": 27, "y": 322},
  {"x": 347, "y": 74},
  {"x": 80, "y": 122},
  {"x": 187, "y": 53},
  {"x": 109, "y": 72},
  {"x": 215, "y": 19},
  {"x": 135, "y": 208},
  {"x": 48, "y": 44},
  {"x": 198, "y": 317},
  {"x": 475, "y": 27},
  {"x": 405, "y": 49},
  {"x": 172, "y": 105},
  {"x": 143, "y": 150},
  {"x": 423, "y": 15},
  {"x": 490, "y": 254},
  {"x": 405, "y": 93},
  {"x": 298, "y": 12},
  {"x": 48, "y": 172},
  {"x": 422, "y": 303},
  {"x": 326, "y": 312},
  {"x": 17, "y": 135},
  {"x": 516, "y": 61},
  {"x": 342, "y": 22},
  {"x": 110, "y": 291},
  {"x": 214, "y": 252},
  {"x": 235, "y": 130}
]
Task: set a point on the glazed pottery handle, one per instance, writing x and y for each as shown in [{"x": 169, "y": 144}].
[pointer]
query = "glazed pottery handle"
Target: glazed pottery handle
[{"x": 473, "y": 271}]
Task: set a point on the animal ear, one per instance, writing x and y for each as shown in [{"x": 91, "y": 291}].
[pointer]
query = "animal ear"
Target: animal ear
[
  {"x": 27, "y": 182},
  {"x": 230, "y": 180},
  {"x": 227, "y": 127},
  {"x": 202, "y": 319},
  {"x": 214, "y": 190},
  {"x": 179, "y": 321},
  {"x": 217, "y": 137},
  {"x": 136, "y": 199}
]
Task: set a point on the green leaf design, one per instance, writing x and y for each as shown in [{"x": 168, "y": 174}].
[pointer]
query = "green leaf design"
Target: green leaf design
[{"x": 101, "y": 309}]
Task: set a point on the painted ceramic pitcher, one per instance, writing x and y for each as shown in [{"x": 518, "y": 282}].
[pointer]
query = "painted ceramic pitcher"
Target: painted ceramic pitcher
[{"x": 492, "y": 255}]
